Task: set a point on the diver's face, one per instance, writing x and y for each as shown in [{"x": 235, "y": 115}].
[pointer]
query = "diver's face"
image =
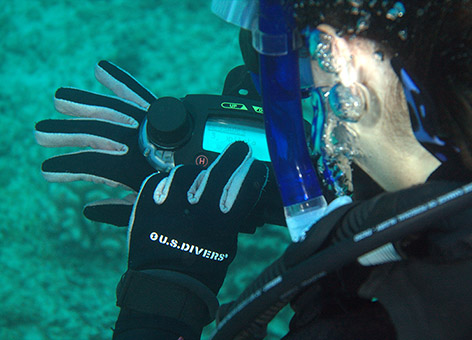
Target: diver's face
[{"x": 373, "y": 122}]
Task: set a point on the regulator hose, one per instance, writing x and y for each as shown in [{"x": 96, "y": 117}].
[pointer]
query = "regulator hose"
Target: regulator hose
[{"x": 277, "y": 285}]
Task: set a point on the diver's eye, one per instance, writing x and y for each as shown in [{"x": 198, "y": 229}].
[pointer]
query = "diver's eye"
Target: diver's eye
[{"x": 348, "y": 103}]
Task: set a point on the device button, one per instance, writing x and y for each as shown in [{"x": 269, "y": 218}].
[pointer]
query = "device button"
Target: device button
[{"x": 169, "y": 124}]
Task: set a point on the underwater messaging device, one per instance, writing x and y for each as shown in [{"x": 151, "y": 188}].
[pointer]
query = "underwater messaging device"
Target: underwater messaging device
[{"x": 196, "y": 128}]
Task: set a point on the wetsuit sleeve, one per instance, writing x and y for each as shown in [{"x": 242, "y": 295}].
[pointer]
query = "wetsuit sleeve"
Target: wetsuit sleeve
[
  {"x": 160, "y": 304},
  {"x": 132, "y": 325}
]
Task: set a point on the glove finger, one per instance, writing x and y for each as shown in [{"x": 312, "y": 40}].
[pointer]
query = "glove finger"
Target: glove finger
[
  {"x": 160, "y": 188},
  {"x": 127, "y": 171},
  {"x": 174, "y": 188},
  {"x": 111, "y": 211},
  {"x": 123, "y": 84},
  {"x": 79, "y": 103},
  {"x": 210, "y": 183},
  {"x": 244, "y": 190},
  {"x": 270, "y": 206},
  {"x": 96, "y": 134}
]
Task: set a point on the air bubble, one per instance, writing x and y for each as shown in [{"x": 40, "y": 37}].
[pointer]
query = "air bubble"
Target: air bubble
[
  {"x": 321, "y": 50},
  {"x": 345, "y": 104},
  {"x": 397, "y": 11},
  {"x": 356, "y": 3},
  {"x": 379, "y": 55},
  {"x": 403, "y": 34},
  {"x": 363, "y": 24},
  {"x": 355, "y": 11}
]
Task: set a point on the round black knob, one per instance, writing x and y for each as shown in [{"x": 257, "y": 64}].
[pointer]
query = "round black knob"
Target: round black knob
[{"x": 169, "y": 124}]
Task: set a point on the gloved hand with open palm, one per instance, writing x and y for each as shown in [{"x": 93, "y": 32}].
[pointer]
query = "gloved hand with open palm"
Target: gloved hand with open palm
[{"x": 109, "y": 125}]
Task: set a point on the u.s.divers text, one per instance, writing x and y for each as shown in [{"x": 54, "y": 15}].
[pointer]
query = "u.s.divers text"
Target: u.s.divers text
[{"x": 186, "y": 247}]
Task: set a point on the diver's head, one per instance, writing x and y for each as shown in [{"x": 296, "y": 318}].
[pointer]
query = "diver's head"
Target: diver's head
[
  {"x": 374, "y": 63},
  {"x": 352, "y": 44},
  {"x": 367, "y": 119}
]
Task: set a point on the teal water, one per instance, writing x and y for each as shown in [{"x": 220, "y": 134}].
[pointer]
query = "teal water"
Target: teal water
[{"x": 59, "y": 270}]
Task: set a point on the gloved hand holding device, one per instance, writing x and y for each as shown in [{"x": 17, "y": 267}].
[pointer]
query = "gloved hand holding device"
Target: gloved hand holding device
[
  {"x": 182, "y": 238},
  {"x": 137, "y": 133}
]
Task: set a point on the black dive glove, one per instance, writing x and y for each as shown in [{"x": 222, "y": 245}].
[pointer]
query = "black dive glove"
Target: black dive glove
[
  {"x": 182, "y": 238},
  {"x": 110, "y": 125}
]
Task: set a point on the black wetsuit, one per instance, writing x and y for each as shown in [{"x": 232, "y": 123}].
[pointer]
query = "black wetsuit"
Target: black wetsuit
[{"x": 424, "y": 297}]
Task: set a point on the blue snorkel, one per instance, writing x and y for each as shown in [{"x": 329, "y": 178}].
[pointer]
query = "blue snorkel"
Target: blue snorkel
[
  {"x": 275, "y": 39},
  {"x": 280, "y": 84}
]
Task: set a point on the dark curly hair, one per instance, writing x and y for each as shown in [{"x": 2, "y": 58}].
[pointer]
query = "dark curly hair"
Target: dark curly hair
[{"x": 433, "y": 38}]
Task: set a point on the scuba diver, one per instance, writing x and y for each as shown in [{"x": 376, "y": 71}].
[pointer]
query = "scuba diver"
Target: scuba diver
[{"x": 390, "y": 86}]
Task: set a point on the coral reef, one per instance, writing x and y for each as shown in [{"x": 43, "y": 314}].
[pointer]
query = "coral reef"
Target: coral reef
[{"x": 59, "y": 270}]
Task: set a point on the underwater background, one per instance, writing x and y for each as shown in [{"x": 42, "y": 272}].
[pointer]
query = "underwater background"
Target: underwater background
[{"x": 59, "y": 270}]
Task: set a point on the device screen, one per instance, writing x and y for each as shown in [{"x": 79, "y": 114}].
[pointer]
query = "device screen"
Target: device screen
[{"x": 220, "y": 132}]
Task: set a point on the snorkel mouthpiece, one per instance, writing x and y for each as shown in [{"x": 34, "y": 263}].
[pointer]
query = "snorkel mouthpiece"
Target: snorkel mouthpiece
[{"x": 280, "y": 83}]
